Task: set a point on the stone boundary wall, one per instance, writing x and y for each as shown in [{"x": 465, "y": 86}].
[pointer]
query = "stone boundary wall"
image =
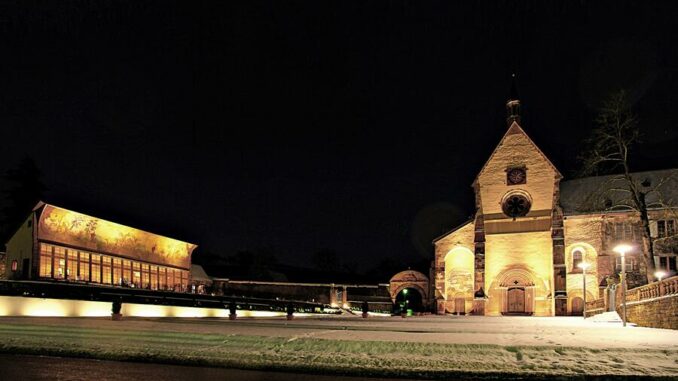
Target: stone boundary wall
[
  {"x": 661, "y": 312},
  {"x": 351, "y": 295},
  {"x": 654, "y": 305}
]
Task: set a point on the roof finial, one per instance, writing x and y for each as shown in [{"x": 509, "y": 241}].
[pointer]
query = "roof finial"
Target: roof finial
[{"x": 513, "y": 103}]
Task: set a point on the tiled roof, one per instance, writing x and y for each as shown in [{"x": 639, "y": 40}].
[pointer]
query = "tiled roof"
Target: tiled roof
[{"x": 606, "y": 193}]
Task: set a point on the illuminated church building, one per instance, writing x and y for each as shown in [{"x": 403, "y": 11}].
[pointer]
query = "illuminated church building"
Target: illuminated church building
[{"x": 519, "y": 254}]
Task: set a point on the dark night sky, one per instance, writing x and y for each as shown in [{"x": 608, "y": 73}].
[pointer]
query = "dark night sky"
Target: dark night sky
[{"x": 356, "y": 126}]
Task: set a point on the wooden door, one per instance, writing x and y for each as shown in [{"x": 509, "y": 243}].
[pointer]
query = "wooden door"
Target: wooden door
[
  {"x": 516, "y": 300},
  {"x": 459, "y": 306},
  {"x": 577, "y": 306}
]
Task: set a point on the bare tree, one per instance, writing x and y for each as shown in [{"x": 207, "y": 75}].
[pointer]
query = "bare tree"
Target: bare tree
[{"x": 608, "y": 151}]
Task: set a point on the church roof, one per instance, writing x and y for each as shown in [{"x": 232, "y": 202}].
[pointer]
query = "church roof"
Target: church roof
[
  {"x": 516, "y": 129},
  {"x": 607, "y": 194},
  {"x": 447, "y": 233}
]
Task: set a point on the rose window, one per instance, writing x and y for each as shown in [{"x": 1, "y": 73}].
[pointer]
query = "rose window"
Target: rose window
[{"x": 516, "y": 205}]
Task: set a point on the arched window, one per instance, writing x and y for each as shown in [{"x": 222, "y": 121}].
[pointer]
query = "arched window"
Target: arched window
[{"x": 577, "y": 258}]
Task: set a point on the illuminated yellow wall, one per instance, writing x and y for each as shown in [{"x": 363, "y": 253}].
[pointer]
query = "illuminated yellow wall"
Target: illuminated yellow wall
[
  {"x": 76, "y": 229},
  {"x": 516, "y": 149},
  {"x": 460, "y": 238},
  {"x": 531, "y": 252},
  {"x": 527, "y": 255},
  {"x": 21, "y": 306},
  {"x": 586, "y": 234},
  {"x": 459, "y": 271}
]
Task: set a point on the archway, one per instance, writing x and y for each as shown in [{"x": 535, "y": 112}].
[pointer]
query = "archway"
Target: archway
[
  {"x": 516, "y": 288},
  {"x": 408, "y": 300},
  {"x": 417, "y": 286},
  {"x": 577, "y": 306}
]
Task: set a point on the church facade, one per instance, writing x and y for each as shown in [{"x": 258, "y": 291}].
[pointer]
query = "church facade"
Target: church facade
[{"x": 519, "y": 254}]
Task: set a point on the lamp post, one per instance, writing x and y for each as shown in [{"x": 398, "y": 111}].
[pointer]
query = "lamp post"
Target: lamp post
[
  {"x": 622, "y": 249},
  {"x": 583, "y": 266}
]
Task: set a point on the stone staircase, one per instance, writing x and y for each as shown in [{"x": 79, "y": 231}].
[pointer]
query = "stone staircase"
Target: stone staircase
[{"x": 607, "y": 317}]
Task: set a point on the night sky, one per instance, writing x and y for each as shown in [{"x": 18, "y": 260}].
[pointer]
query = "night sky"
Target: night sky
[{"x": 296, "y": 126}]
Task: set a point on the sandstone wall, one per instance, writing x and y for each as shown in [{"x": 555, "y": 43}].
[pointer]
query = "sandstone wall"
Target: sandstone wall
[{"x": 660, "y": 312}]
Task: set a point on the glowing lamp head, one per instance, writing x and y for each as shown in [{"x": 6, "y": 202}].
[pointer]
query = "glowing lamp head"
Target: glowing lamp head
[
  {"x": 622, "y": 249},
  {"x": 659, "y": 275},
  {"x": 584, "y": 265},
  {"x": 405, "y": 291}
]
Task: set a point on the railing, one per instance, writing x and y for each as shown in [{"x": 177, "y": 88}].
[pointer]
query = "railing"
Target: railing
[
  {"x": 595, "y": 304},
  {"x": 668, "y": 286}
]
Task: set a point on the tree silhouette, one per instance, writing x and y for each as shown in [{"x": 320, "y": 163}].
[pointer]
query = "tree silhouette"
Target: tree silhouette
[{"x": 608, "y": 151}]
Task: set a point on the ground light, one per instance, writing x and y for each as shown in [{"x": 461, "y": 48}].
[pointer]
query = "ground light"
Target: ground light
[
  {"x": 583, "y": 266},
  {"x": 622, "y": 249}
]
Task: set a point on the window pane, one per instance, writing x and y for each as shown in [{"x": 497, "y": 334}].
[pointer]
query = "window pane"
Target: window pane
[
  {"x": 96, "y": 267},
  {"x": 84, "y": 266},
  {"x": 106, "y": 270},
  {"x": 72, "y": 265},
  {"x": 117, "y": 271},
  {"x": 154, "y": 277},
  {"x": 45, "y": 260},
  {"x": 126, "y": 271},
  {"x": 661, "y": 228},
  {"x": 59, "y": 262},
  {"x": 145, "y": 276},
  {"x": 162, "y": 278}
]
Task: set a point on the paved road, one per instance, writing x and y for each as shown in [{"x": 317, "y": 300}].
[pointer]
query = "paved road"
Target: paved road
[{"x": 30, "y": 368}]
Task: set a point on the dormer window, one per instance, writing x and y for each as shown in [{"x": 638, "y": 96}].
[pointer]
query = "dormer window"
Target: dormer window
[{"x": 516, "y": 176}]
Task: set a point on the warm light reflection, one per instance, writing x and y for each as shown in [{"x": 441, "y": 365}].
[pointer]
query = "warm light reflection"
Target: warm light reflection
[
  {"x": 20, "y": 306},
  {"x": 61, "y": 225}
]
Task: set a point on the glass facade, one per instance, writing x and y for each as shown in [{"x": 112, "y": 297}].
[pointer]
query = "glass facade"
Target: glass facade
[{"x": 58, "y": 262}]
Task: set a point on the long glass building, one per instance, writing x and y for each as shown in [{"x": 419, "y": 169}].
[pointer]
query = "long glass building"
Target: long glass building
[{"x": 58, "y": 244}]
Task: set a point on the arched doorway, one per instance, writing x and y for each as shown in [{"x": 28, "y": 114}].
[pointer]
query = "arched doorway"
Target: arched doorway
[
  {"x": 577, "y": 306},
  {"x": 408, "y": 300},
  {"x": 516, "y": 292},
  {"x": 410, "y": 288}
]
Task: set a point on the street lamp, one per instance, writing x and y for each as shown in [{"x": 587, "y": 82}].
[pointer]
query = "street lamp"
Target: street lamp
[
  {"x": 622, "y": 249},
  {"x": 659, "y": 275},
  {"x": 583, "y": 266}
]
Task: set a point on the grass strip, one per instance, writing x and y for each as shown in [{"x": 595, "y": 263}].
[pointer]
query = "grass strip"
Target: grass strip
[{"x": 341, "y": 357}]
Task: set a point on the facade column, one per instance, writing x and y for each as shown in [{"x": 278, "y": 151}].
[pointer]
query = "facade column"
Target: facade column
[
  {"x": 559, "y": 283},
  {"x": 344, "y": 298},
  {"x": 479, "y": 295}
]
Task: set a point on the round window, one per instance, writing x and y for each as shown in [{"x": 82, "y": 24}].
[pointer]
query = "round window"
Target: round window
[{"x": 516, "y": 205}]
